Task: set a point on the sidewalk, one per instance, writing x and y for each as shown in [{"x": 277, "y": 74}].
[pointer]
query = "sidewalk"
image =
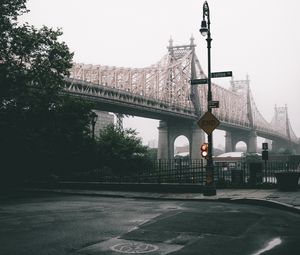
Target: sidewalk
[{"x": 270, "y": 197}]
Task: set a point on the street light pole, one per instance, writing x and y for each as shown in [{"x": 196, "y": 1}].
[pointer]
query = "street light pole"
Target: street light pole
[
  {"x": 210, "y": 189},
  {"x": 94, "y": 118}
]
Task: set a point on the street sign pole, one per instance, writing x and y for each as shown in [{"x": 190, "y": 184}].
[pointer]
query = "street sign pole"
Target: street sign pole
[{"x": 210, "y": 188}]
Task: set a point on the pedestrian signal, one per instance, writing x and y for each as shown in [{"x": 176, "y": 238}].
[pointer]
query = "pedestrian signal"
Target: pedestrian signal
[
  {"x": 265, "y": 146},
  {"x": 264, "y": 153},
  {"x": 204, "y": 150}
]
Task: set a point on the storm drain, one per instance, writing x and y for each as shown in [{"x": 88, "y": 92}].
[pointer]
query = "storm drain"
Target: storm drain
[
  {"x": 134, "y": 247},
  {"x": 116, "y": 245}
]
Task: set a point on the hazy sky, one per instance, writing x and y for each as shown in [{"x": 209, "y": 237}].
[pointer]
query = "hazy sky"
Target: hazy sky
[{"x": 254, "y": 37}]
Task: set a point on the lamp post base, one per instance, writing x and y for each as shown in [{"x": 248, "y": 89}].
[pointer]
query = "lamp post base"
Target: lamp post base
[{"x": 209, "y": 191}]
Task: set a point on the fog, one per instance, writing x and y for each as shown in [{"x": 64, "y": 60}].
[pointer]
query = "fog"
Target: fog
[{"x": 251, "y": 37}]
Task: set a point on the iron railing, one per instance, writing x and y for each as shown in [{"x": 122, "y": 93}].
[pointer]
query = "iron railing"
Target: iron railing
[{"x": 186, "y": 171}]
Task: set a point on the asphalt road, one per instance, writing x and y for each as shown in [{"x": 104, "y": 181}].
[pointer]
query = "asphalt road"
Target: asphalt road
[{"x": 68, "y": 224}]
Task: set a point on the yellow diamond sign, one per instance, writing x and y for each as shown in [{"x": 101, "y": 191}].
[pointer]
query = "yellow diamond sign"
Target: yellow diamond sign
[{"x": 208, "y": 122}]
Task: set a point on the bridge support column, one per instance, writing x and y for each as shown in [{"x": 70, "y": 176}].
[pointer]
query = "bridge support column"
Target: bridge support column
[
  {"x": 275, "y": 146},
  {"x": 163, "y": 141},
  {"x": 234, "y": 136},
  {"x": 298, "y": 150},
  {"x": 228, "y": 142},
  {"x": 252, "y": 142},
  {"x": 196, "y": 140},
  {"x": 281, "y": 146}
]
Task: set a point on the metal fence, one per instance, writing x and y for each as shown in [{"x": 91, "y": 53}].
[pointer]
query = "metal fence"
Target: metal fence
[{"x": 186, "y": 171}]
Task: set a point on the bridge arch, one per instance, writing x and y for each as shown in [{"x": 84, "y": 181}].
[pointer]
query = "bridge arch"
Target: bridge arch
[
  {"x": 168, "y": 131},
  {"x": 241, "y": 146},
  {"x": 181, "y": 146},
  {"x": 233, "y": 137}
]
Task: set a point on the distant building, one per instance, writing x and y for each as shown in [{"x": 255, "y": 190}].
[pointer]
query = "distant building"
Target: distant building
[
  {"x": 217, "y": 151},
  {"x": 229, "y": 160},
  {"x": 153, "y": 143},
  {"x": 182, "y": 150},
  {"x": 241, "y": 148}
]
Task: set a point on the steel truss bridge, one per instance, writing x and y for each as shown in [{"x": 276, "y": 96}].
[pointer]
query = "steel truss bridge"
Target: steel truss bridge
[{"x": 163, "y": 91}]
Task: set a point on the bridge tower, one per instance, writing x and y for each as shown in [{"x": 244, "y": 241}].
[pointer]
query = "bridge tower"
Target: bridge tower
[
  {"x": 170, "y": 130},
  {"x": 233, "y": 136},
  {"x": 281, "y": 122}
]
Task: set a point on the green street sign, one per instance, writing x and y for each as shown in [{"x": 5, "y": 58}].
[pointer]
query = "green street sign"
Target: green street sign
[
  {"x": 213, "y": 104},
  {"x": 221, "y": 74},
  {"x": 199, "y": 81}
]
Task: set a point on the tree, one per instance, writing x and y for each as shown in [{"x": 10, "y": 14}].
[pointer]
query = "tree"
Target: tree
[
  {"x": 41, "y": 129},
  {"x": 121, "y": 151},
  {"x": 251, "y": 157},
  {"x": 152, "y": 154}
]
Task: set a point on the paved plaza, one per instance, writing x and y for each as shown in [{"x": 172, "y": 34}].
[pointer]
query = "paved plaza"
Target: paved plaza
[{"x": 78, "y": 222}]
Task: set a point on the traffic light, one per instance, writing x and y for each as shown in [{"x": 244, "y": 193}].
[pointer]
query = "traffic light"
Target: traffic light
[{"x": 204, "y": 150}]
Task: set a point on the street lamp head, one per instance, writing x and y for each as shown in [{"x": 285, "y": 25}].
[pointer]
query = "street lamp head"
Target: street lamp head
[
  {"x": 94, "y": 118},
  {"x": 203, "y": 30},
  {"x": 205, "y": 9}
]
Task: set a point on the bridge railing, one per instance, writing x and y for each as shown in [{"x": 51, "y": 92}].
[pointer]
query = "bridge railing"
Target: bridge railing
[
  {"x": 90, "y": 89},
  {"x": 86, "y": 88}
]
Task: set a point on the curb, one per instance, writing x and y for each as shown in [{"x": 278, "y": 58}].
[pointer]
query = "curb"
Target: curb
[
  {"x": 263, "y": 202},
  {"x": 249, "y": 201}
]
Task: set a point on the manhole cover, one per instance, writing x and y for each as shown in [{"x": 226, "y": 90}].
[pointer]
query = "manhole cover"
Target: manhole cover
[{"x": 134, "y": 247}]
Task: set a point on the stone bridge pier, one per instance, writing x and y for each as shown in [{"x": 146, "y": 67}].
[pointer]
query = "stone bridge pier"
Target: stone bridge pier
[
  {"x": 298, "y": 148},
  {"x": 170, "y": 130},
  {"x": 232, "y": 137},
  {"x": 281, "y": 146}
]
